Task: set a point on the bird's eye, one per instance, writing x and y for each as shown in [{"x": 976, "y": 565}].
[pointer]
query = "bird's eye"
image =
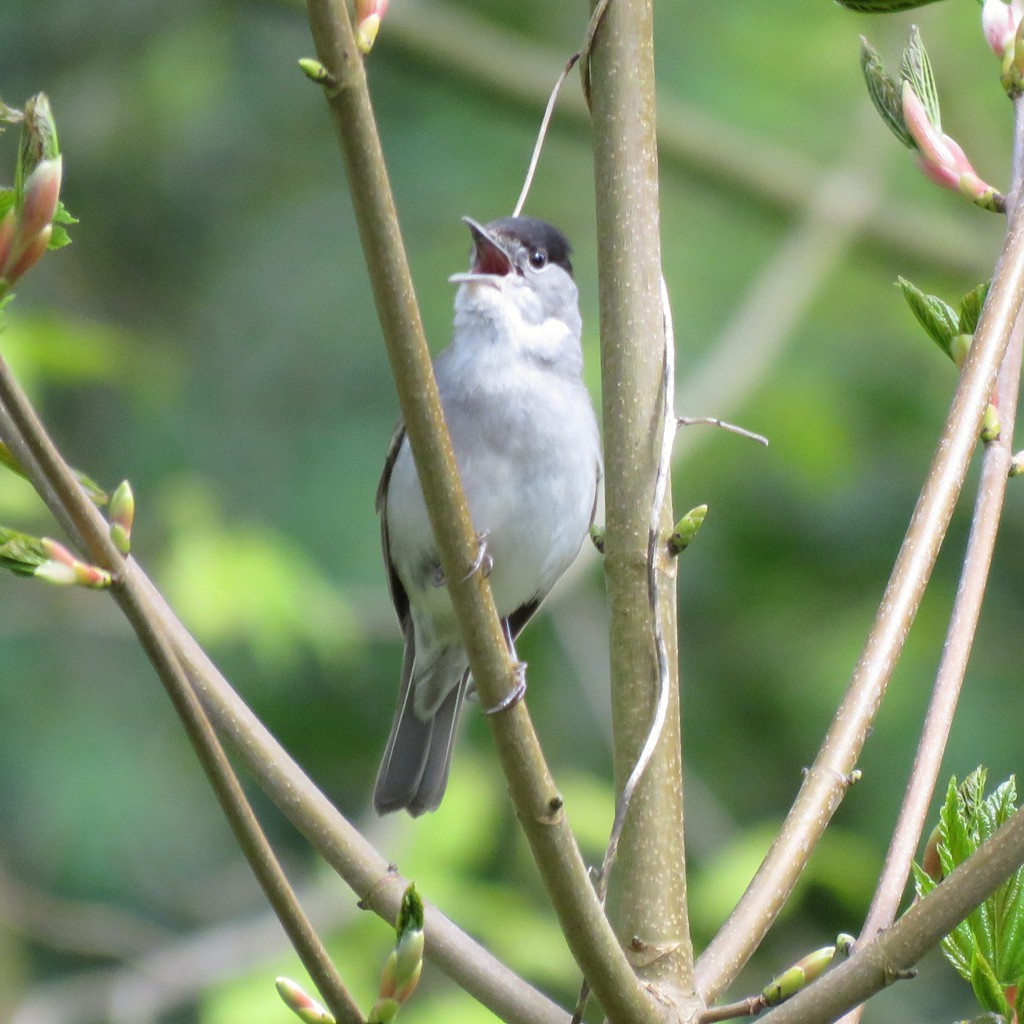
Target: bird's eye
[{"x": 538, "y": 259}]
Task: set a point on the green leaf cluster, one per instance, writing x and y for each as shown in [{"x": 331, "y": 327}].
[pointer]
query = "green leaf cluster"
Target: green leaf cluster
[
  {"x": 951, "y": 329},
  {"x": 987, "y": 948},
  {"x": 886, "y": 90}
]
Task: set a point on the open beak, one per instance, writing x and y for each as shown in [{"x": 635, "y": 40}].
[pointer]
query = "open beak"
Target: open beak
[{"x": 489, "y": 259}]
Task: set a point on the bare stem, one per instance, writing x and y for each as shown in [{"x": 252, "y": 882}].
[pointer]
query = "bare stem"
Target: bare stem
[
  {"x": 26, "y": 436},
  {"x": 537, "y": 802},
  {"x": 377, "y": 883},
  {"x": 963, "y": 623},
  {"x": 826, "y": 781}
]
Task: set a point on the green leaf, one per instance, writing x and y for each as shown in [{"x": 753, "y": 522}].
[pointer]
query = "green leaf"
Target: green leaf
[
  {"x": 59, "y": 238},
  {"x": 882, "y": 6},
  {"x": 916, "y": 69},
  {"x": 987, "y": 989},
  {"x": 20, "y": 553},
  {"x": 886, "y": 92},
  {"x": 970, "y": 308},
  {"x": 938, "y": 318},
  {"x": 988, "y": 947},
  {"x": 410, "y": 914}
]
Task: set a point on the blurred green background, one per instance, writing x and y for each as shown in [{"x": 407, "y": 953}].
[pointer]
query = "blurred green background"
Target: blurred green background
[{"x": 210, "y": 336}]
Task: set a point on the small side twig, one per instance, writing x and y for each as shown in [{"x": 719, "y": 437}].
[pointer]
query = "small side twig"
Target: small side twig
[
  {"x": 749, "y": 1007},
  {"x": 730, "y": 428}
]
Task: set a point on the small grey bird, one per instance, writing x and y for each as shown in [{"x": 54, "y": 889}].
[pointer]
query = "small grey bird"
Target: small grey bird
[{"x": 526, "y": 442}]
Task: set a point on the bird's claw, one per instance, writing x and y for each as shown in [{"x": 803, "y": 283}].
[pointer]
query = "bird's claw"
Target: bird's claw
[
  {"x": 483, "y": 561},
  {"x": 515, "y": 695}
]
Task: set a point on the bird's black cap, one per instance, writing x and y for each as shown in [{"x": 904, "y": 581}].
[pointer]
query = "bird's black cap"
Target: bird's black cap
[{"x": 535, "y": 234}]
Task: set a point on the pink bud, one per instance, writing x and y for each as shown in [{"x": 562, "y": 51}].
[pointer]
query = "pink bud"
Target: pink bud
[
  {"x": 929, "y": 140},
  {"x": 301, "y": 1004},
  {"x": 368, "y": 17},
  {"x": 999, "y": 23},
  {"x": 940, "y": 156},
  {"x": 42, "y": 188},
  {"x": 28, "y": 255},
  {"x": 56, "y": 551}
]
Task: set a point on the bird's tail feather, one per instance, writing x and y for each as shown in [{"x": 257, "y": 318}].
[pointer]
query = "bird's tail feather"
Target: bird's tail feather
[{"x": 414, "y": 770}]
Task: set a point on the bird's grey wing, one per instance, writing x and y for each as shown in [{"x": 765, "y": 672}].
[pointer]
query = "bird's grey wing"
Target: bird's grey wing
[{"x": 399, "y": 597}]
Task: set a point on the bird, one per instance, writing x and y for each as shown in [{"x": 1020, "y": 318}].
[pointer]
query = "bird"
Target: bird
[{"x": 527, "y": 446}]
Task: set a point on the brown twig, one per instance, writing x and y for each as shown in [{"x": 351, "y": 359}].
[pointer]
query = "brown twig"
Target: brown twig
[
  {"x": 749, "y": 1007},
  {"x": 891, "y": 956},
  {"x": 341, "y": 845},
  {"x": 25, "y": 435},
  {"x": 537, "y": 802},
  {"x": 963, "y": 622},
  {"x": 825, "y": 782}
]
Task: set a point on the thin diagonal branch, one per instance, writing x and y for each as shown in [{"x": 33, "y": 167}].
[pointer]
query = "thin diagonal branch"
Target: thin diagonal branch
[
  {"x": 825, "y": 783},
  {"x": 26, "y": 437},
  {"x": 963, "y": 622},
  {"x": 342, "y": 846},
  {"x": 538, "y": 805}
]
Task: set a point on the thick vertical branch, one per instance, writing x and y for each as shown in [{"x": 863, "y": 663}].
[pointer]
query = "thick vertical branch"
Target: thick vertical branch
[
  {"x": 537, "y": 802},
  {"x": 650, "y": 891}
]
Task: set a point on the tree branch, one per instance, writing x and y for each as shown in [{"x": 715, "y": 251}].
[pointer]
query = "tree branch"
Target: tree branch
[
  {"x": 25, "y": 436},
  {"x": 892, "y": 955},
  {"x": 963, "y": 623},
  {"x": 825, "y": 783},
  {"x": 538, "y": 805},
  {"x": 651, "y": 876},
  {"x": 341, "y": 845}
]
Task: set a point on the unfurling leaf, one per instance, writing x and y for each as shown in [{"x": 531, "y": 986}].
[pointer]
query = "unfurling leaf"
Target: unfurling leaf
[
  {"x": 987, "y": 948},
  {"x": 938, "y": 318},
  {"x": 916, "y": 69},
  {"x": 886, "y": 92}
]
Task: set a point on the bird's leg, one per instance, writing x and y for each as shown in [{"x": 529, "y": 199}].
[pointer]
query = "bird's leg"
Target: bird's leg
[{"x": 518, "y": 691}]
